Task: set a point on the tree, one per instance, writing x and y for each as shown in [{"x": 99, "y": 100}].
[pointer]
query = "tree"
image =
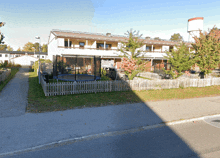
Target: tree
[
  {"x": 176, "y": 37},
  {"x": 180, "y": 59},
  {"x": 2, "y": 24},
  {"x": 3, "y": 47},
  {"x": 1, "y": 35},
  {"x": 129, "y": 49},
  {"x": 9, "y": 48},
  {"x": 131, "y": 62},
  {"x": 28, "y": 47},
  {"x": 44, "y": 48},
  {"x": 134, "y": 66},
  {"x": 36, "y": 47},
  {"x": 207, "y": 50},
  {"x": 19, "y": 49}
]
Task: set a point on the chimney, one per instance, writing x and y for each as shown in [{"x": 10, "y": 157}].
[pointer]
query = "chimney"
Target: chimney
[
  {"x": 147, "y": 37},
  {"x": 108, "y": 34}
]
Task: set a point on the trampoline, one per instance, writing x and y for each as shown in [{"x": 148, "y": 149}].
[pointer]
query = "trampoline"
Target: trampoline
[{"x": 76, "y": 68}]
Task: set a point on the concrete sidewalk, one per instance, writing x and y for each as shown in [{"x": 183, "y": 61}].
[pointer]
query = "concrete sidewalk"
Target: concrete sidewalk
[{"x": 28, "y": 130}]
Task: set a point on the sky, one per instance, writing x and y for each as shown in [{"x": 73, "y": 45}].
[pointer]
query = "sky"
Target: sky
[{"x": 27, "y": 19}]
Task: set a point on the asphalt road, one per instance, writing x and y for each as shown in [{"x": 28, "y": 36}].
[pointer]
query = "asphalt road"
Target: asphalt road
[{"x": 193, "y": 139}]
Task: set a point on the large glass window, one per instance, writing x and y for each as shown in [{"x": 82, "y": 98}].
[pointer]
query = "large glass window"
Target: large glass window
[
  {"x": 6, "y": 55},
  {"x": 149, "y": 48},
  {"x": 66, "y": 43},
  {"x": 0, "y": 55},
  {"x": 101, "y": 45}
]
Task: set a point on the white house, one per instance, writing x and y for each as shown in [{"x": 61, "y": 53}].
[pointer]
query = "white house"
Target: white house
[
  {"x": 22, "y": 58},
  {"x": 104, "y": 45}
]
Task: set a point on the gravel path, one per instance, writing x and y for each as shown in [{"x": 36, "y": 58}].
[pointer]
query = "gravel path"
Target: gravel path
[{"x": 13, "y": 97}]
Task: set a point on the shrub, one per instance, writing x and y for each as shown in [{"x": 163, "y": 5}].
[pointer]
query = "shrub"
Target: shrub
[
  {"x": 133, "y": 66},
  {"x": 133, "y": 74},
  {"x": 35, "y": 65},
  {"x": 105, "y": 78},
  {"x": 103, "y": 72}
]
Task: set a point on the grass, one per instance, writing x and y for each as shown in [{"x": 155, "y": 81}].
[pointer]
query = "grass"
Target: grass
[
  {"x": 38, "y": 102},
  {"x": 13, "y": 72}
]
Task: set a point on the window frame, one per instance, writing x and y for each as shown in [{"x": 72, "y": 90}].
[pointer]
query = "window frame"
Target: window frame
[{"x": 81, "y": 45}]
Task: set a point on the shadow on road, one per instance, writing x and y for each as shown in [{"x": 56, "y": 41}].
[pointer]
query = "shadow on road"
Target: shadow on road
[{"x": 37, "y": 129}]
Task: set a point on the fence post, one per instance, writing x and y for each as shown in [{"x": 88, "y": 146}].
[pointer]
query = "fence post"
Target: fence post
[
  {"x": 95, "y": 86},
  {"x": 138, "y": 85}
]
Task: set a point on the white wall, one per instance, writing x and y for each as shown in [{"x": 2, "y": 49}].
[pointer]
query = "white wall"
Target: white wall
[
  {"x": 52, "y": 46},
  {"x": 165, "y": 48},
  {"x": 24, "y": 60},
  {"x": 3, "y": 58},
  {"x": 94, "y": 45},
  {"x": 60, "y": 42}
]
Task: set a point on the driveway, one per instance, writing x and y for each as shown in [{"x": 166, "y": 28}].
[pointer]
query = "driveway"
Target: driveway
[{"x": 13, "y": 98}]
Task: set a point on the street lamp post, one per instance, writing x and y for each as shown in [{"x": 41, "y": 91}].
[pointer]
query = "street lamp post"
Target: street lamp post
[{"x": 37, "y": 37}]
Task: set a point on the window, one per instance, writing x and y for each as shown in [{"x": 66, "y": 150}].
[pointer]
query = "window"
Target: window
[
  {"x": 6, "y": 55},
  {"x": 108, "y": 46},
  {"x": 42, "y": 56},
  {"x": 70, "y": 43},
  {"x": 81, "y": 44},
  {"x": 100, "y": 45},
  {"x": 16, "y": 55},
  {"x": 0, "y": 55},
  {"x": 38, "y": 56},
  {"x": 66, "y": 43},
  {"x": 148, "y": 48}
]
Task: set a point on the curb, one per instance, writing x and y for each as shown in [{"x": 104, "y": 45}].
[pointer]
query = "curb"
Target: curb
[{"x": 94, "y": 136}]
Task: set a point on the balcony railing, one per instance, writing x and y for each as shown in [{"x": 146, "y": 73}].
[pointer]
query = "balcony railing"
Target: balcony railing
[
  {"x": 87, "y": 48},
  {"x": 110, "y": 49},
  {"x": 154, "y": 51}
]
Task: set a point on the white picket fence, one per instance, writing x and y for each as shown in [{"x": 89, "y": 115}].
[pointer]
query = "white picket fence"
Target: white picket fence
[{"x": 64, "y": 88}]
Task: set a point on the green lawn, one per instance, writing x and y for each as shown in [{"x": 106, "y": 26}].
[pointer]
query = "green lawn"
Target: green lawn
[
  {"x": 37, "y": 102},
  {"x": 13, "y": 72}
]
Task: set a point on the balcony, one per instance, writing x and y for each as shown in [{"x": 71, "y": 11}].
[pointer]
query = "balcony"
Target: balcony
[
  {"x": 87, "y": 51},
  {"x": 107, "y": 49},
  {"x": 147, "y": 51}
]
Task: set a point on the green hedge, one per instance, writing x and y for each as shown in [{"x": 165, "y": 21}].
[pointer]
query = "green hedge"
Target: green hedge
[{"x": 35, "y": 66}]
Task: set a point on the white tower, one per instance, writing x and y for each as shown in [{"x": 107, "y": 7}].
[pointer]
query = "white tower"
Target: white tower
[{"x": 195, "y": 25}]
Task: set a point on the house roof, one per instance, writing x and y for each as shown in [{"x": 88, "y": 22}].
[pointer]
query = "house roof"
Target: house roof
[{"x": 116, "y": 38}]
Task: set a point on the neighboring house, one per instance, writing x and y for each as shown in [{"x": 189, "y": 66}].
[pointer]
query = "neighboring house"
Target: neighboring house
[
  {"x": 81, "y": 43},
  {"x": 22, "y": 58}
]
